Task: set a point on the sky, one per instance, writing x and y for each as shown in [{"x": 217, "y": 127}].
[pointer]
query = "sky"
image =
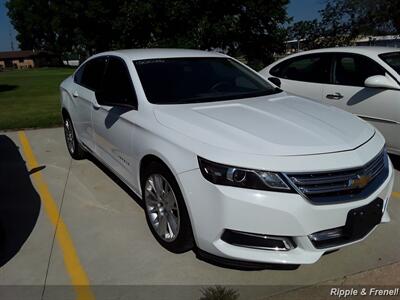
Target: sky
[
  {"x": 305, "y": 9},
  {"x": 298, "y": 9},
  {"x": 5, "y": 26}
]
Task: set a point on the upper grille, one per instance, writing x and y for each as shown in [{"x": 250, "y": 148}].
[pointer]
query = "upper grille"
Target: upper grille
[{"x": 342, "y": 186}]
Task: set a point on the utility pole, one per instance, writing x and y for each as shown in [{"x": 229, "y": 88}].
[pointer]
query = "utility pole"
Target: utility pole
[{"x": 11, "y": 40}]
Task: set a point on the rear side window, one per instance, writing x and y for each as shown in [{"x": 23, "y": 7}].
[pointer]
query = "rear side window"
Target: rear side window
[
  {"x": 90, "y": 74},
  {"x": 309, "y": 68},
  {"x": 353, "y": 69}
]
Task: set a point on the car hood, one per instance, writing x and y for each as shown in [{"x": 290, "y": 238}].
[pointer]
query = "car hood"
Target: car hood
[{"x": 279, "y": 125}]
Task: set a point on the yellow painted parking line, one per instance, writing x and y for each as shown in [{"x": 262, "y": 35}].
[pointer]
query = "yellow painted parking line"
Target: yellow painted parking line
[
  {"x": 75, "y": 270},
  {"x": 396, "y": 194}
]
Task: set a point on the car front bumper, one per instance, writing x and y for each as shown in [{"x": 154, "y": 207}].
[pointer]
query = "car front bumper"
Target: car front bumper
[{"x": 215, "y": 208}]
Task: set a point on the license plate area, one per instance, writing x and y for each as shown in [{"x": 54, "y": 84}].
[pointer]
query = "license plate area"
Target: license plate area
[{"x": 360, "y": 221}]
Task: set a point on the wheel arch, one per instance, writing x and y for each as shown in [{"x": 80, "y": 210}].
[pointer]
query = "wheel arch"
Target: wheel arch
[
  {"x": 65, "y": 113},
  {"x": 146, "y": 160},
  {"x": 175, "y": 159}
]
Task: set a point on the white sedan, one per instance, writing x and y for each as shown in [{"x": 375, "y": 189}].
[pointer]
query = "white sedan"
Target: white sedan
[
  {"x": 362, "y": 80},
  {"x": 225, "y": 163}
]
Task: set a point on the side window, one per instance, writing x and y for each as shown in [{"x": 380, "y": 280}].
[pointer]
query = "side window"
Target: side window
[
  {"x": 78, "y": 75},
  {"x": 353, "y": 69},
  {"x": 309, "y": 68},
  {"x": 117, "y": 84},
  {"x": 277, "y": 70},
  {"x": 90, "y": 74}
]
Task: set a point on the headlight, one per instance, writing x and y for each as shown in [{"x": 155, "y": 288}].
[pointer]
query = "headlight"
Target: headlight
[{"x": 244, "y": 178}]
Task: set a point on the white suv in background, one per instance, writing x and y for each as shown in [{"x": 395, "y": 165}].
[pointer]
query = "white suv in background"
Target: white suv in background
[
  {"x": 225, "y": 163},
  {"x": 362, "y": 80}
]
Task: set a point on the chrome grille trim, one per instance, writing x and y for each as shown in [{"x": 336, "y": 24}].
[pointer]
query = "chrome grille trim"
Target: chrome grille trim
[{"x": 343, "y": 185}]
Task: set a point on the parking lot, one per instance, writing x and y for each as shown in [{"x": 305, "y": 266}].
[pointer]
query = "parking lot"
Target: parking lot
[{"x": 81, "y": 232}]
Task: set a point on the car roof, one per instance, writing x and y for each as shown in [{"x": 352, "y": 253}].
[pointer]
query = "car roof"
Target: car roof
[
  {"x": 366, "y": 50},
  {"x": 154, "y": 53}
]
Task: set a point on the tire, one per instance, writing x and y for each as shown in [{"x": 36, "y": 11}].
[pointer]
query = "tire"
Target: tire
[
  {"x": 159, "y": 208},
  {"x": 74, "y": 148}
]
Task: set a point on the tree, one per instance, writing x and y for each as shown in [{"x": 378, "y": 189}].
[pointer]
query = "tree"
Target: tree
[
  {"x": 336, "y": 25},
  {"x": 32, "y": 21},
  {"x": 343, "y": 20},
  {"x": 368, "y": 16},
  {"x": 249, "y": 28},
  {"x": 64, "y": 26},
  {"x": 305, "y": 32}
]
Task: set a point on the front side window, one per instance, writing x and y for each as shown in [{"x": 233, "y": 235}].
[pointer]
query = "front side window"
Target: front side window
[
  {"x": 353, "y": 69},
  {"x": 194, "y": 80},
  {"x": 90, "y": 74},
  {"x": 392, "y": 59},
  {"x": 310, "y": 68},
  {"x": 117, "y": 85}
]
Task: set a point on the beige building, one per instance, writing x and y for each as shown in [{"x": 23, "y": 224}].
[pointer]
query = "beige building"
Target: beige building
[
  {"x": 23, "y": 63},
  {"x": 17, "y": 59},
  {"x": 26, "y": 59}
]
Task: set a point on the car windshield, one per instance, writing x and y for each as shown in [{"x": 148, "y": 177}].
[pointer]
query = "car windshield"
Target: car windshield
[
  {"x": 194, "y": 80},
  {"x": 392, "y": 59}
]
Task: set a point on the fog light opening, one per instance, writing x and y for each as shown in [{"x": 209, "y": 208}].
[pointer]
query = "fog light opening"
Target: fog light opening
[
  {"x": 327, "y": 234},
  {"x": 258, "y": 241}
]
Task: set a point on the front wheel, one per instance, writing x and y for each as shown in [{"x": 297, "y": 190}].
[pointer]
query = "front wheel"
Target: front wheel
[
  {"x": 73, "y": 146},
  {"x": 165, "y": 209}
]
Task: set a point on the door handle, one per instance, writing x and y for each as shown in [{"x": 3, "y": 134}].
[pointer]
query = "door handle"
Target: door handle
[
  {"x": 95, "y": 105},
  {"x": 335, "y": 96},
  {"x": 75, "y": 94}
]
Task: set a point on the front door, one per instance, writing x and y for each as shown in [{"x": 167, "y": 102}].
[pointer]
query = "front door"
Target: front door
[
  {"x": 113, "y": 125},
  {"x": 304, "y": 75},
  {"x": 375, "y": 105}
]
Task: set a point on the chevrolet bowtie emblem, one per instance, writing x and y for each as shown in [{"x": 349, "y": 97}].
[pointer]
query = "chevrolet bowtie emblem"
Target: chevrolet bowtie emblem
[{"x": 360, "y": 182}]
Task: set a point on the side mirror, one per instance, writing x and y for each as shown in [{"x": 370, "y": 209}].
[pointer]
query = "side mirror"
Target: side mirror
[
  {"x": 380, "y": 81},
  {"x": 275, "y": 81}
]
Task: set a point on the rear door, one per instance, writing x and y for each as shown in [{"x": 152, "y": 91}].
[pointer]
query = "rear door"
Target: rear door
[
  {"x": 87, "y": 80},
  {"x": 376, "y": 105},
  {"x": 304, "y": 75}
]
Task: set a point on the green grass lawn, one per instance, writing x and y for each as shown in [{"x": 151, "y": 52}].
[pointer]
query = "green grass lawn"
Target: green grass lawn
[{"x": 30, "y": 98}]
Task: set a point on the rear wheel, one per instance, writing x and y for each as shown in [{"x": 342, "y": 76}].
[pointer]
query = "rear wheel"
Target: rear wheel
[
  {"x": 165, "y": 209},
  {"x": 73, "y": 146}
]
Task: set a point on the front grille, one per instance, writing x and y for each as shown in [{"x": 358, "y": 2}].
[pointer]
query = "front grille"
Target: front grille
[{"x": 342, "y": 186}]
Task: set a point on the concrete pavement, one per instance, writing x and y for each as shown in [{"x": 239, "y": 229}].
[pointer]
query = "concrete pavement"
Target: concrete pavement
[{"x": 119, "y": 255}]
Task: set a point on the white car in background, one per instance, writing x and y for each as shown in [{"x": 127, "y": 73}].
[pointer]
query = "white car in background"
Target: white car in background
[
  {"x": 362, "y": 80},
  {"x": 224, "y": 162}
]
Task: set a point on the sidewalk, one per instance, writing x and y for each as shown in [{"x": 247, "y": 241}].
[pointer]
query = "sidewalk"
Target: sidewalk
[{"x": 386, "y": 277}]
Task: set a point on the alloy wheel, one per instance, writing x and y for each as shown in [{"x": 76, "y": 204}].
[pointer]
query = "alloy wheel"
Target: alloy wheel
[
  {"x": 69, "y": 135},
  {"x": 162, "y": 207}
]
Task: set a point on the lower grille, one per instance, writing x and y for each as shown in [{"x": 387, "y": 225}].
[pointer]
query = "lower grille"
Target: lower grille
[
  {"x": 360, "y": 222},
  {"x": 342, "y": 186}
]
